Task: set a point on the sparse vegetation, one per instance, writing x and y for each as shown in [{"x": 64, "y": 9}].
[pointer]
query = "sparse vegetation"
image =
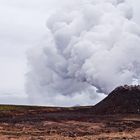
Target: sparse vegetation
[
  {"x": 75, "y": 123},
  {"x": 7, "y": 107}
]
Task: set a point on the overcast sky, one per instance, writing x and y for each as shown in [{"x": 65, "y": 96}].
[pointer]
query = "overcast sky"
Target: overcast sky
[{"x": 22, "y": 25}]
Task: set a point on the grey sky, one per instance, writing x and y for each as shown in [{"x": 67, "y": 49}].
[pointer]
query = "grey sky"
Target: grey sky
[{"x": 22, "y": 25}]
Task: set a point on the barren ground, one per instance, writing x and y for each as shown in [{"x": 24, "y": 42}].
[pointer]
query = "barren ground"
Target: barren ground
[{"x": 46, "y": 123}]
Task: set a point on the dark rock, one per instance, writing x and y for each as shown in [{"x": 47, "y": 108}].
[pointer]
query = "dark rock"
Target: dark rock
[{"x": 123, "y": 100}]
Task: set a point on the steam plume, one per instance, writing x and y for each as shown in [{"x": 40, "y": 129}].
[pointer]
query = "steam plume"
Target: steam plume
[{"x": 91, "y": 47}]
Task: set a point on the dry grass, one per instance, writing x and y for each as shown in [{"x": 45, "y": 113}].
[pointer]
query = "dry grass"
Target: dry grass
[{"x": 40, "y": 123}]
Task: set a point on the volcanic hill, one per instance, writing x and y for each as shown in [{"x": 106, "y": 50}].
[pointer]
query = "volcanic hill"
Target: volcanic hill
[{"x": 124, "y": 99}]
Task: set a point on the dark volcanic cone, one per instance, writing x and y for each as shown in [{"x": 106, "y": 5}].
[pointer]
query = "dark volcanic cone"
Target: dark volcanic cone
[{"x": 122, "y": 100}]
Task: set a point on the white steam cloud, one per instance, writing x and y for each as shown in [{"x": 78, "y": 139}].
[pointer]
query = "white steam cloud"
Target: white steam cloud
[{"x": 91, "y": 47}]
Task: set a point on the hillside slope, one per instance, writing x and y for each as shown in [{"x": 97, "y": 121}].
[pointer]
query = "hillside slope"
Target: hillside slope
[{"x": 124, "y": 99}]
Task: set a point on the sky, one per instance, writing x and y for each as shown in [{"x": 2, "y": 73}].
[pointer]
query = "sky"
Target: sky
[{"x": 22, "y": 26}]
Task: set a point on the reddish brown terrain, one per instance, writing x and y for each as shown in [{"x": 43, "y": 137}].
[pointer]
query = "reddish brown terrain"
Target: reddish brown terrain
[{"x": 117, "y": 117}]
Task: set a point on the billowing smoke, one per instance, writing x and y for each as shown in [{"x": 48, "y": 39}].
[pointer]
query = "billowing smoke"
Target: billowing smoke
[{"x": 91, "y": 46}]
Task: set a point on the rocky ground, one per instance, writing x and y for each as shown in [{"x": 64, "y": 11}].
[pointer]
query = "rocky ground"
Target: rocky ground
[
  {"x": 117, "y": 117},
  {"x": 40, "y": 123}
]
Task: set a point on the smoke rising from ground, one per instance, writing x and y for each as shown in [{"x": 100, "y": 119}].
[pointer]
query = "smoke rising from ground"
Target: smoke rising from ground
[{"x": 91, "y": 46}]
